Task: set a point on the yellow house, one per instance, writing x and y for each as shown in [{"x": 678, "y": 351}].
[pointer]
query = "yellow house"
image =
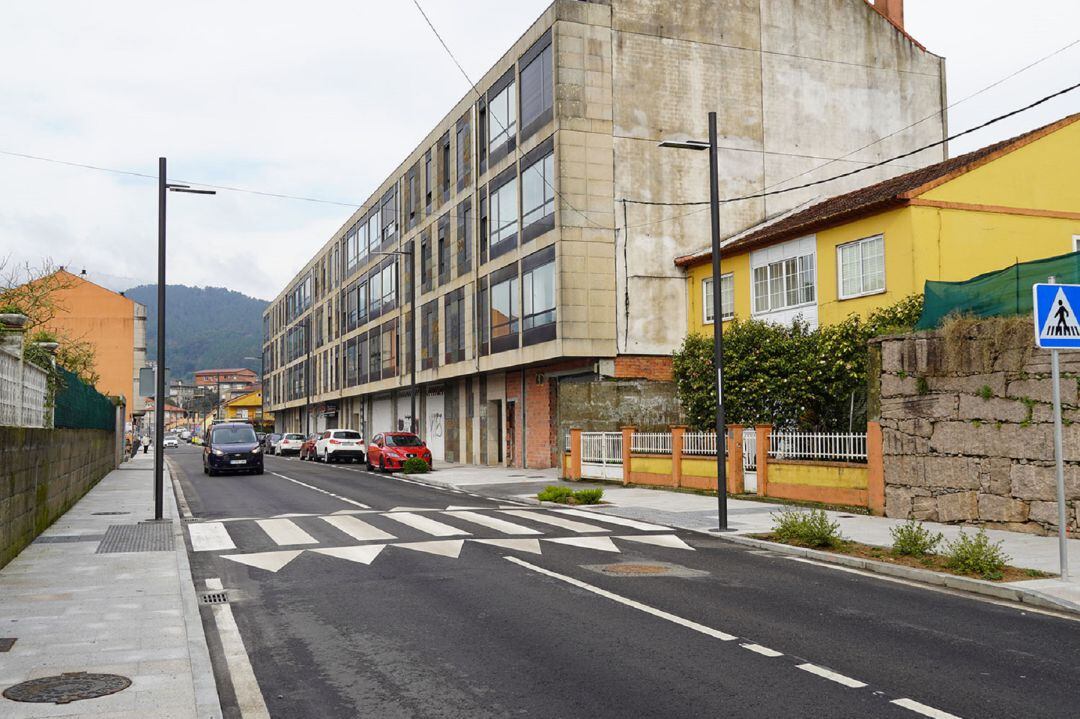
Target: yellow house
[
  {"x": 245, "y": 407},
  {"x": 1014, "y": 201}
]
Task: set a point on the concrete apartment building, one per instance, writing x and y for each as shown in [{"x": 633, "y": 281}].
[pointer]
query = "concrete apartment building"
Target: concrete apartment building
[
  {"x": 227, "y": 382},
  {"x": 542, "y": 299}
]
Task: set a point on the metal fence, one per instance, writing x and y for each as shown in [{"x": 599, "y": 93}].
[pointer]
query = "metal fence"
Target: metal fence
[
  {"x": 80, "y": 406},
  {"x": 23, "y": 393},
  {"x": 821, "y": 446},
  {"x": 651, "y": 443},
  {"x": 699, "y": 443}
]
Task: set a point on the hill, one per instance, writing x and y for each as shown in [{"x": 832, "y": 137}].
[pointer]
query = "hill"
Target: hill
[{"x": 207, "y": 327}]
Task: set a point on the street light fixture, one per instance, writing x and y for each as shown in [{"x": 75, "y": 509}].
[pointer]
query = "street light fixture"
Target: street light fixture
[
  {"x": 718, "y": 335},
  {"x": 413, "y": 424},
  {"x": 159, "y": 394}
]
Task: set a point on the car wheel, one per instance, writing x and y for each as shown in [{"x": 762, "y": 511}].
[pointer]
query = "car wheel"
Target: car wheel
[
  {"x": 328, "y": 458},
  {"x": 260, "y": 470},
  {"x": 211, "y": 472},
  {"x": 205, "y": 470},
  {"x": 382, "y": 465},
  {"x": 368, "y": 465}
]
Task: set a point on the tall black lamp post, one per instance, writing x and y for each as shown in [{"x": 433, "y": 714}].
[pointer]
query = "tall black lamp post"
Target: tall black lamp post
[
  {"x": 718, "y": 335},
  {"x": 159, "y": 391}
]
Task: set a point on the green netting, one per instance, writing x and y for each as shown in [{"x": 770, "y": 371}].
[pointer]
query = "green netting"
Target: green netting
[
  {"x": 80, "y": 406},
  {"x": 995, "y": 294}
]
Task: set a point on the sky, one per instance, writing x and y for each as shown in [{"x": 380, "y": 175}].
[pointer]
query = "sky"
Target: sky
[{"x": 324, "y": 99}]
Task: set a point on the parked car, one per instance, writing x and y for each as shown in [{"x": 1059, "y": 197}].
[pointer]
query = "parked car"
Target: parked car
[
  {"x": 261, "y": 436},
  {"x": 307, "y": 449},
  {"x": 289, "y": 444},
  {"x": 170, "y": 441},
  {"x": 388, "y": 451},
  {"x": 185, "y": 435},
  {"x": 232, "y": 447},
  {"x": 270, "y": 442},
  {"x": 336, "y": 445}
]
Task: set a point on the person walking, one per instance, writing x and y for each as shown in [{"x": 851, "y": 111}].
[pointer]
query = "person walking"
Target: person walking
[{"x": 145, "y": 443}]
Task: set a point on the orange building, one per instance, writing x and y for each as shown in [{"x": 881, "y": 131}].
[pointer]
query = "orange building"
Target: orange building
[{"x": 114, "y": 324}]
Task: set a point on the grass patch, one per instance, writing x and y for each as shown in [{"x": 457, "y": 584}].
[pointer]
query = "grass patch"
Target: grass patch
[
  {"x": 912, "y": 539},
  {"x": 807, "y": 529},
  {"x": 565, "y": 495}
]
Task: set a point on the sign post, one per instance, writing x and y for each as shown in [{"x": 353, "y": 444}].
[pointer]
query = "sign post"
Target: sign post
[{"x": 1057, "y": 327}]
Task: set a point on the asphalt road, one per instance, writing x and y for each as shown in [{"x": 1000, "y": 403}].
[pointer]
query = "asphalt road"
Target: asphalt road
[{"x": 434, "y": 626}]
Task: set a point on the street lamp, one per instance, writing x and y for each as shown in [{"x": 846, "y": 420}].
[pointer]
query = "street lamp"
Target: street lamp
[
  {"x": 159, "y": 391},
  {"x": 718, "y": 335},
  {"x": 413, "y": 425}
]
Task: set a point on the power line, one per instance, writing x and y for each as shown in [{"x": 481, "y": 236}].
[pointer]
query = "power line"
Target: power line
[{"x": 770, "y": 193}]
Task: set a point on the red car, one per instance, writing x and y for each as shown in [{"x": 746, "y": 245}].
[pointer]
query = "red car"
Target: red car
[
  {"x": 307, "y": 449},
  {"x": 388, "y": 451}
]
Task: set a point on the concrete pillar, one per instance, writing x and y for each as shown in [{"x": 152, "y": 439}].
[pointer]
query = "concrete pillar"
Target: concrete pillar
[
  {"x": 875, "y": 464},
  {"x": 575, "y": 455},
  {"x": 677, "y": 432},
  {"x": 735, "y": 482},
  {"x": 763, "y": 432},
  {"x": 627, "y": 444}
]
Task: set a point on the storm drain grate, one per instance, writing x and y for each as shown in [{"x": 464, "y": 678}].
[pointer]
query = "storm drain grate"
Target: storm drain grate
[
  {"x": 144, "y": 537},
  {"x": 215, "y": 598},
  {"x": 6, "y": 644},
  {"x": 66, "y": 538},
  {"x": 66, "y": 688}
]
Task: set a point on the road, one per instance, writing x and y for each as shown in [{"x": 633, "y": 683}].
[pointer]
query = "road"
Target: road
[{"x": 381, "y": 598}]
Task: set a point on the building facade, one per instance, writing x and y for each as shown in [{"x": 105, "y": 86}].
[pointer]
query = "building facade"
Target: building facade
[
  {"x": 500, "y": 283},
  {"x": 227, "y": 382}
]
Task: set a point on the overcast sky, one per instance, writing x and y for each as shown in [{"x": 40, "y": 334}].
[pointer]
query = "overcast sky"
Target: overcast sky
[{"x": 323, "y": 99}]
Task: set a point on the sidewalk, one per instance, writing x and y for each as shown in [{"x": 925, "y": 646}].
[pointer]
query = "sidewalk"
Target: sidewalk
[
  {"x": 698, "y": 513},
  {"x": 99, "y": 592}
]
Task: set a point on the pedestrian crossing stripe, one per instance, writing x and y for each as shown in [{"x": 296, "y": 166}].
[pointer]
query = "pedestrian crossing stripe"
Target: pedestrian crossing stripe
[{"x": 1061, "y": 320}]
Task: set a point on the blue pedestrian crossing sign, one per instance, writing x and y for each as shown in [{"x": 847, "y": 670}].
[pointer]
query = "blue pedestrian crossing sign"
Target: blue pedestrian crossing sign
[{"x": 1056, "y": 322}]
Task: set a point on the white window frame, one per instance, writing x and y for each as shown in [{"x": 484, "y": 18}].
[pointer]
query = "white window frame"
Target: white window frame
[
  {"x": 1076, "y": 243},
  {"x": 770, "y": 279},
  {"x": 840, "y": 268},
  {"x": 727, "y": 298}
]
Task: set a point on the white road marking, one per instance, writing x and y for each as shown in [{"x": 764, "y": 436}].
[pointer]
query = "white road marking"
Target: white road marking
[
  {"x": 763, "y": 651},
  {"x": 521, "y": 545},
  {"x": 499, "y": 525},
  {"x": 285, "y": 532},
  {"x": 455, "y": 507},
  {"x": 415, "y": 509},
  {"x": 364, "y": 554},
  {"x": 603, "y": 544},
  {"x": 660, "y": 613},
  {"x": 426, "y": 525},
  {"x": 354, "y": 511},
  {"x": 632, "y": 523},
  {"x": 923, "y": 709},
  {"x": 449, "y": 548},
  {"x": 209, "y": 536},
  {"x": 249, "y": 698},
  {"x": 660, "y": 540},
  {"x": 270, "y": 561},
  {"x": 353, "y": 502},
  {"x": 579, "y": 527},
  {"x": 357, "y": 529},
  {"x": 831, "y": 675}
]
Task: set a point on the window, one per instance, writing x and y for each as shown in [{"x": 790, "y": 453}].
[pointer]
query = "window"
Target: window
[
  {"x": 412, "y": 195},
  {"x": 536, "y": 86},
  {"x": 389, "y": 349},
  {"x": 351, "y": 377},
  {"x": 429, "y": 181},
  {"x": 464, "y": 237},
  {"x": 503, "y": 214},
  {"x": 425, "y": 260},
  {"x": 361, "y": 243},
  {"x": 538, "y": 192},
  {"x": 389, "y": 215},
  {"x": 482, "y": 317},
  {"x": 484, "y": 225},
  {"x": 455, "y": 326},
  {"x": 538, "y": 293},
  {"x": 783, "y": 284},
  {"x": 1076, "y": 243},
  {"x": 727, "y": 297},
  {"x": 374, "y": 294},
  {"x": 861, "y": 267},
  {"x": 463, "y": 147},
  {"x": 481, "y": 133},
  {"x": 361, "y": 359},
  {"x": 444, "y": 166},
  {"x": 361, "y": 304},
  {"x": 502, "y": 117},
  {"x": 429, "y": 335},
  {"x": 505, "y": 309},
  {"x": 374, "y": 233},
  {"x": 444, "y": 249},
  {"x": 350, "y": 252},
  {"x": 389, "y": 285},
  {"x": 374, "y": 345}
]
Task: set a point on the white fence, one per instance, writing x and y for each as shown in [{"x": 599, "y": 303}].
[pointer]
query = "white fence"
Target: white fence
[
  {"x": 23, "y": 393},
  {"x": 699, "y": 443},
  {"x": 651, "y": 443},
  {"x": 601, "y": 455},
  {"x": 822, "y": 446}
]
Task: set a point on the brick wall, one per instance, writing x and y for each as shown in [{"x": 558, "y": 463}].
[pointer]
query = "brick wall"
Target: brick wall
[
  {"x": 658, "y": 368},
  {"x": 43, "y": 472},
  {"x": 513, "y": 418}
]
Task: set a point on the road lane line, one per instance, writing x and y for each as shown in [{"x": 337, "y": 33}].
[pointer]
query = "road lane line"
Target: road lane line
[
  {"x": 361, "y": 505},
  {"x": 285, "y": 532},
  {"x": 579, "y": 527},
  {"x": 763, "y": 651},
  {"x": 660, "y": 613},
  {"x": 831, "y": 675},
  {"x": 632, "y": 523},
  {"x": 356, "y": 528},
  {"x": 209, "y": 537},
  {"x": 249, "y": 698},
  {"x": 926, "y": 711},
  {"x": 426, "y": 525},
  {"x": 499, "y": 525}
]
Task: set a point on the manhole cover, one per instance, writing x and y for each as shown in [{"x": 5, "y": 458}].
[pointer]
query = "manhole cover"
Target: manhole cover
[
  {"x": 645, "y": 569},
  {"x": 636, "y": 569},
  {"x": 66, "y": 688}
]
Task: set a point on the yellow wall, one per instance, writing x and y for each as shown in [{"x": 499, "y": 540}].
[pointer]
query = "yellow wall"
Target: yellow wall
[
  {"x": 818, "y": 474},
  {"x": 739, "y": 266}
]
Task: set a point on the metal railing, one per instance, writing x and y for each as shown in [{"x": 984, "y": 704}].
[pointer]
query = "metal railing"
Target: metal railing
[
  {"x": 601, "y": 447},
  {"x": 822, "y": 446},
  {"x": 749, "y": 450},
  {"x": 651, "y": 443},
  {"x": 699, "y": 443},
  {"x": 23, "y": 393}
]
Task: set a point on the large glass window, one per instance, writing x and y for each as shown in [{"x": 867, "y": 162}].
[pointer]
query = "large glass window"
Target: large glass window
[
  {"x": 504, "y": 215},
  {"x": 861, "y": 267},
  {"x": 389, "y": 214},
  {"x": 463, "y": 148},
  {"x": 783, "y": 284},
  {"x": 538, "y": 191},
  {"x": 389, "y": 286},
  {"x": 482, "y": 317},
  {"x": 464, "y": 241},
  {"x": 727, "y": 297},
  {"x": 375, "y": 294},
  {"x": 444, "y": 249},
  {"x": 389, "y": 348},
  {"x": 361, "y": 303},
  {"x": 426, "y": 270},
  {"x": 455, "y": 326},
  {"x": 502, "y": 117},
  {"x": 505, "y": 300},
  {"x": 536, "y": 86},
  {"x": 538, "y": 293},
  {"x": 429, "y": 335}
]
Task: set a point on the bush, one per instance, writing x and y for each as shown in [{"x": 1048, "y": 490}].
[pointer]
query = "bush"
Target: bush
[
  {"x": 415, "y": 465},
  {"x": 976, "y": 555},
  {"x": 588, "y": 496},
  {"x": 807, "y": 529},
  {"x": 912, "y": 539},
  {"x": 43, "y": 336},
  {"x": 11, "y": 310},
  {"x": 555, "y": 493}
]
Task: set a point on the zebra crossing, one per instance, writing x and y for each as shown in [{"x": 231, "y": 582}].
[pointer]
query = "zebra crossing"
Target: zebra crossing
[{"x": 362, "y": 536}]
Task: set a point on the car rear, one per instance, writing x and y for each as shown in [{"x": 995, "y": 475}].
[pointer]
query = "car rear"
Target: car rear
[
  {"x": 343, "y": 444},
  {"x": 290, "y": 444}
]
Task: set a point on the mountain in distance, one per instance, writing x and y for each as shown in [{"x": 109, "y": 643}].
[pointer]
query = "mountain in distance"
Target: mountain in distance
[{"x": 206, "y": 327}]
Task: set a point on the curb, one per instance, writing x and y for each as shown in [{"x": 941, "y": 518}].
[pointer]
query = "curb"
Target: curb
[{"x": 1007, "y": 592}]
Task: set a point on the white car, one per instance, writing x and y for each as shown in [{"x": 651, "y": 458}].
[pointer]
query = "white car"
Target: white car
[
  {"x": 336, "y": 445},
  {"x": 185, "y": 435},
  {"x": 289, "y": 443},
  {"x": 170, "y": 441}
]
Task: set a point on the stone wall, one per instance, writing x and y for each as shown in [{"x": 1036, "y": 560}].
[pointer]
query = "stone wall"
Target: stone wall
[
  {"x": 43, "y": 472},
  {"x": 605, "y": 405},
  {"x": 967, "y": 426}
]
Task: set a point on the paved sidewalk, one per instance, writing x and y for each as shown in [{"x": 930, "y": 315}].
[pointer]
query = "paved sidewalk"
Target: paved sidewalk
[
  {"x": 132, "y": 613},
  {"x": 698, "y": 513}
]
